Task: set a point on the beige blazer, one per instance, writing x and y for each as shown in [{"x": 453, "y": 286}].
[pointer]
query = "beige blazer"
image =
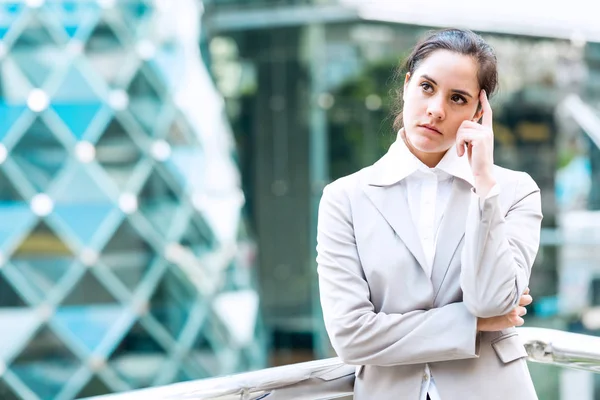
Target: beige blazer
[{"x": 385, "y": 315}]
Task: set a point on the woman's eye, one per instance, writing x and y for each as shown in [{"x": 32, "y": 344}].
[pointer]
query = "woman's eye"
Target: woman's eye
[
  {"x": 458, "y": 99},
  {"x": 426, "y": 87}
]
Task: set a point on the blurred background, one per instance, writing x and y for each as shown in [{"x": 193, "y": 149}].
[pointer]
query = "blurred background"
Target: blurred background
[{"x": 161, "y": 164}]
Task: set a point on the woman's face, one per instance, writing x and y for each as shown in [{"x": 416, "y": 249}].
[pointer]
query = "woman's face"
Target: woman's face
[{"x": 440, "y": 94}]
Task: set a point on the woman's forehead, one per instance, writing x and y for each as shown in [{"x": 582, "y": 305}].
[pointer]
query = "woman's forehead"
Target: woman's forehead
[{"x": 448, "y": 68}]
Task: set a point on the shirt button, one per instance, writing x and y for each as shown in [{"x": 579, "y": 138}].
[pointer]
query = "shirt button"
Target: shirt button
[{"x": 425, "y": 377}]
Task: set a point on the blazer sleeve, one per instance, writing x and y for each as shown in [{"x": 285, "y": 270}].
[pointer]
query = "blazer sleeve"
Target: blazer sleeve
[
  {"x": 362, "y": 336},
  {"x": 500, "y": 248}
]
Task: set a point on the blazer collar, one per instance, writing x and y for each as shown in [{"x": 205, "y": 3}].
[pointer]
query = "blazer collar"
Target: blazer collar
[
  {"x": 399, "y": 162},
  {"x": 390, "y": 200}
]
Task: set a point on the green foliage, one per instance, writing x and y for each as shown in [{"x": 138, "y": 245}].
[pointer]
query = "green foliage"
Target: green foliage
[{"x": 359, "y": 135}]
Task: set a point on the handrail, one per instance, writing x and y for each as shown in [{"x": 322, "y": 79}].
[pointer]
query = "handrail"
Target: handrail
[{"x": 331, "y": 378}]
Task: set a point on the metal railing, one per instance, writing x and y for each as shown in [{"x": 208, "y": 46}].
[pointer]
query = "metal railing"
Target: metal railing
[{"x": 331, "y": 378}]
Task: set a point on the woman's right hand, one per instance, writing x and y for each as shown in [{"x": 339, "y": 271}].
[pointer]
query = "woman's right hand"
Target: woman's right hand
[{"x": 509, "y": 320}]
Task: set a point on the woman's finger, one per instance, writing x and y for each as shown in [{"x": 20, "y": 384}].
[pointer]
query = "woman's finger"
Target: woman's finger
[
  {"x": 487, "y": 109},
  {"x": 464, "y": 137},
  {"x": 522, "y": 311},
  {"x": 525, "y": 300}
]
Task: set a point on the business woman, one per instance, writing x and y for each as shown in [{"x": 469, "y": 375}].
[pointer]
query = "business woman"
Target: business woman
[{"x": 424, "y": 258}]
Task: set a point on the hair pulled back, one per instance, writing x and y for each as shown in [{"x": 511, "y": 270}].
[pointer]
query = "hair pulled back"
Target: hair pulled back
[{"x": 461, "y": 41}]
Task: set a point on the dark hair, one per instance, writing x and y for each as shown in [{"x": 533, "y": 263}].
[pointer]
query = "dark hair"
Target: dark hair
[{"x": 461, "y": 41}]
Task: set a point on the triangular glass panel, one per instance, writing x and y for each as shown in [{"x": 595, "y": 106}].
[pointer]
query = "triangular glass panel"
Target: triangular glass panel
[
  {"x": 188, "y": 165},
  {"x": 15, "y": 213},
  {"x": 71, "y": 30},
  {"x": 76, "y": 102},
  {"x": 135, "y": 16},
  {"x": 95, "y": 387},
  {"x": 105, "y": 52},
  {"x": 36, "y": 52},
  {"x": 42, "y": 258},
  {"x": 172, "y": 302},
  {"x": 138, "y": 358},
  {"x": 77, "y": 116},
  {"x": 42, "y": 242},
  {"x": 9, "y": 114},
  {"x": 89, "y": 290},
  {"x": 158, "y": 202},
  {"x": 180, "y": 133},
  {"x": 72, "y": 15},
  {"x": 203, "y": 355},
  {"x": 89, "y": 324},
  {"x": 8, "y": 295},
  {"x": 83, "y": 210},
  {"x": 45, "y": 365},
  {"x": 75, "y": 89},
  {"x": 19, "y": 90},
  {"x": 43, "y": 273},
  {"x": 88, "y": 190},
  {"x": 135, "y": 11},
  {"x": 117, "y": 153},
  {"x": 6, "y": 393},
  {"x": 18, "y": 324},
  {"x": 40, "y": 155},
  {"x": 145, "y": 101},
  {"x": 146, "y": 85},
  {"x": 182, "y": 376},
  {"x": 197, "y": 236},
  {"x": 84, "y": 219},
  {"x": 8, "y": 192},
  {"x": 16, "y": 218},
  {"x": 9, "y": 13},
  {"x": 128, "y": 255},
  {"x": 167, "y": 65}
]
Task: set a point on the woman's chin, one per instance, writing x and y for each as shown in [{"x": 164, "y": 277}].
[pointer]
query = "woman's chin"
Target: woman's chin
[{"x": 426, "y": 144}]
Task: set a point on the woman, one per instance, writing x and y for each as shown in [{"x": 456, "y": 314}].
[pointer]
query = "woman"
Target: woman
[{"x": 424, "y": 257}]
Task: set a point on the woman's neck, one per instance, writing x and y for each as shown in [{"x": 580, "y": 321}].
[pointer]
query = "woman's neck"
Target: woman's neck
[{"x": 429, "y": 159}]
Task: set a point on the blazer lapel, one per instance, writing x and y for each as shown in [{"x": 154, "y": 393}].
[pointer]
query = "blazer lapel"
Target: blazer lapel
[
  {"x": 391, "y": 202},
  {"x": 451, "y": 231}
]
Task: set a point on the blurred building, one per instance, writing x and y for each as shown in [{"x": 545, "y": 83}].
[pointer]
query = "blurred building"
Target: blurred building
[
  {"x": 310, "y": 86},
  {"x": 125, "y": 257}
]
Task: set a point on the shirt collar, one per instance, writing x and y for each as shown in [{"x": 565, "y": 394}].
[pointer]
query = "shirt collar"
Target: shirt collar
[{"x": 398, "y": 163}]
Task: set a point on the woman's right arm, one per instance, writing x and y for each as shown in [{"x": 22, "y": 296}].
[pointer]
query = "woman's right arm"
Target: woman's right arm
[{"x": 359, "y": 334}]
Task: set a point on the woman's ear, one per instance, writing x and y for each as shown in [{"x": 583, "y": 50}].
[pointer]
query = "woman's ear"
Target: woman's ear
[{"x": 406, "y": 79}]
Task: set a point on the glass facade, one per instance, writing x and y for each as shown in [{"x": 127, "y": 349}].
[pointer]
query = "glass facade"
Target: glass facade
[{"x": 125, "y": 258}]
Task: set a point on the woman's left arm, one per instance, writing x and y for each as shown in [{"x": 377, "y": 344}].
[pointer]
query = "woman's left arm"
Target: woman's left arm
[{"x": 500, "y": 249}]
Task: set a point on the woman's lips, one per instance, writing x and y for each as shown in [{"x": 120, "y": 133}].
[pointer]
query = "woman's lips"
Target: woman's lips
[{"x": 430, "y": 129}]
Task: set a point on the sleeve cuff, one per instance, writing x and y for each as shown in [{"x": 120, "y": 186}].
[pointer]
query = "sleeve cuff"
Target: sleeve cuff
[{"x": 494, "y": 191}]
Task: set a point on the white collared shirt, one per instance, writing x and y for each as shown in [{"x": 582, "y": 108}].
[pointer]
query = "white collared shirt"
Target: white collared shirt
[{"x": 427, "y": 192}]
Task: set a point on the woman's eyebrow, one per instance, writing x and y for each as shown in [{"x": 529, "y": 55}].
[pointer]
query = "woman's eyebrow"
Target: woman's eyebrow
[
  {"x": 454, "y": 90},
  {"x": 462, "y": 92}
]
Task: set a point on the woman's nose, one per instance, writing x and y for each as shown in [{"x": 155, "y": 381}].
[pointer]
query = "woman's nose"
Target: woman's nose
[{"x": 435, "y": 108}]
